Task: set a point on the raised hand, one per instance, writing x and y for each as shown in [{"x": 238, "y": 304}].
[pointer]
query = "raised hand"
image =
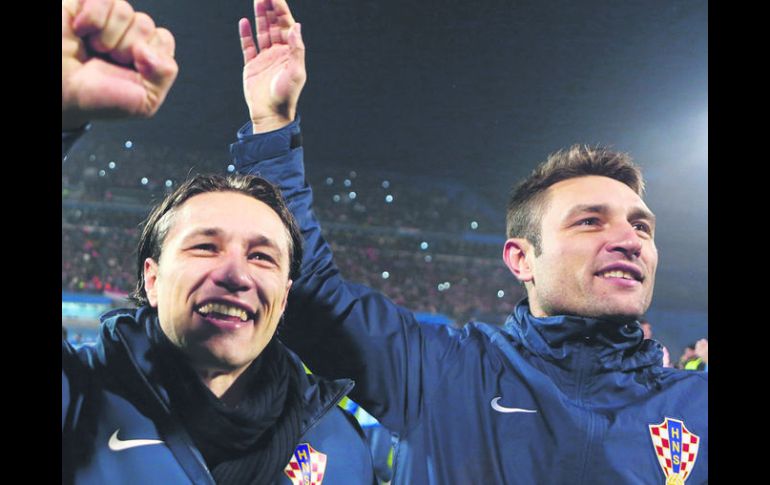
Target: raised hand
[
  {"x": 274, "y": 67},
  {"x": 115, "y": 62}
]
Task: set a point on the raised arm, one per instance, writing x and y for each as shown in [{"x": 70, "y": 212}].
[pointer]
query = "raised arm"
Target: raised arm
[{"x": 340, "y": 329}]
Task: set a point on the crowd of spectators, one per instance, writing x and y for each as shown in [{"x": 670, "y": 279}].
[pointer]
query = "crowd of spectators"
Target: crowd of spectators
[{"x": 430, "y": 246}]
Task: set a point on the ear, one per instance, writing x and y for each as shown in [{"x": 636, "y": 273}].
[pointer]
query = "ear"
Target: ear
[
  {"x": 286, "y": 296},
  {"x": 515, "y": 256},
  {"x": 150, "y": 281}
]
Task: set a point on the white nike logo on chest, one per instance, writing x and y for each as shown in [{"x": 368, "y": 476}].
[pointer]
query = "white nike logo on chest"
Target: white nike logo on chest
[
  {"x": 503, "y": 409},
  {"x": 116, "y": 444}
]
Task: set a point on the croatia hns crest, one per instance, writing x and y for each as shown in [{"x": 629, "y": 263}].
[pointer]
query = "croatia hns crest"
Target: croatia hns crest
[
  {"x": 676, "y": 449},
  {"x": 306, "y": 466}
]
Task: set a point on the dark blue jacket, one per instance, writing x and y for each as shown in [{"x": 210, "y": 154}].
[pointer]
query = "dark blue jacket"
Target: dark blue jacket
[
  {"x": 111, "y": 396},
  {"x": 562, "y": 400}
]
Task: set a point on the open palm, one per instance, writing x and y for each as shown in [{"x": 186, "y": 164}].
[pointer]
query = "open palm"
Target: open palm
[{"x": 274, "y": 67}]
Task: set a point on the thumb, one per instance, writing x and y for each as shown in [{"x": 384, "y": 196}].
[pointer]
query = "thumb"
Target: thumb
[{"x": 295, "y": 41}]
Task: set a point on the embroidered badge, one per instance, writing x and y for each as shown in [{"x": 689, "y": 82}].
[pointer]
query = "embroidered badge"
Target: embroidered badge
[
  {"x": 306, "y": 466},
  {"x": 676, "y": 448}
]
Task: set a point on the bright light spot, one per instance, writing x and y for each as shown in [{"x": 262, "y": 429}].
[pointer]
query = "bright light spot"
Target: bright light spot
[
  {"x": 347, "y": 183},
  {"x": 112, "y": 165},
  {"x": 128, "y": 144},
  {"x": 388, "y": 199},
  {"x": 385, "y": 275},
  {"x": 231, "y": 168},
  {"x": 336, "y": 198},
  {"x": 447, "y": 285},
  {"x": 102, "y": 173},
  {"x": 474, "y": 225},
  {"x": 145, "y": 181},
  {"x": 385, "y": 184},
  {"x": 423, "y": 245},
  {"x": 169, "y": 183},
  {"x": 500, "y": 293},
  {"x": 329, "y": 180},
  {"x": 441, "y": 287},
  {"x": 352, "y": 195}
]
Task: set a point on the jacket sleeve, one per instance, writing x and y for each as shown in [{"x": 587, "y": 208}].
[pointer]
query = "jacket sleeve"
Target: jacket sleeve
[
  {"x": 342, "y": 329},
  {"x": 68, "y": 139}
]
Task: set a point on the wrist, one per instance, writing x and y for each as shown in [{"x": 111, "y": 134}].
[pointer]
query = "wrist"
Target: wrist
[{"x": 277, "y": 119}]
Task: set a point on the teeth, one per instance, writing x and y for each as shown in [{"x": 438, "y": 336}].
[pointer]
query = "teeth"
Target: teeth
[
  {"x": 618, "y": 274},
  {"x": 224, "y": 310}
]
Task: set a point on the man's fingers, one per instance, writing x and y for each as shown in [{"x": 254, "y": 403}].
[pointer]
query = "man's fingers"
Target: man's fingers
[
  {"x": 71, "y": 6},
  {"x": 282, "y": 13},
  {"x": 91, "y": 15},
  {"x": 248, "y": 47},
  {"x": 295, "y": 41},
  {"x": 158, "y": 68},
  {"x": 262, "y": 24},
  {"x": 163, "y": 41},
  {"x": 120, "y": 19},
  {"x": 141, "y": 30}
]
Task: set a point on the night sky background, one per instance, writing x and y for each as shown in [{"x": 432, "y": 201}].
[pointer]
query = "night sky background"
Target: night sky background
[{"x": 480, "y": 92}]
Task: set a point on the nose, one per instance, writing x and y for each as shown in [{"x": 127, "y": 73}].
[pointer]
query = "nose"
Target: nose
[
  {"x": 233, "y": 274},
  {"x": 626, "y": 241}
]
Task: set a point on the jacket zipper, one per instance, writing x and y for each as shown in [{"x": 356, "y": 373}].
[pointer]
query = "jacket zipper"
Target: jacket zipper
[{"x": 584, "y": 355}]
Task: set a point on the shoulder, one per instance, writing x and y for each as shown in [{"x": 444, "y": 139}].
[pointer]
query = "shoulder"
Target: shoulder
[{"x": 338, "y": 441}]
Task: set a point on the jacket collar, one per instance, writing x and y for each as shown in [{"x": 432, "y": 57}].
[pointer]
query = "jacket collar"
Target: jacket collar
[
  {"x": 125, "y": 344},
  {"x": 617, "y": 346}
]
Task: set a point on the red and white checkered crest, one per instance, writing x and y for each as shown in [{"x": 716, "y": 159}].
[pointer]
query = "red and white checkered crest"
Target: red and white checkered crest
[
  {"x": 307, "y": 466},
  {"x": 676, "y": 448}
]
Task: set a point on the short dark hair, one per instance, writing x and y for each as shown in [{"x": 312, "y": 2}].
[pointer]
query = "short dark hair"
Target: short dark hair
[
  {"x": 158, "y": 223},
  {"x": 528, "y": 199}
]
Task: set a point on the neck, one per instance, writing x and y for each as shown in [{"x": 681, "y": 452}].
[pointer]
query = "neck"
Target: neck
[{"x": 225, "y": 385}]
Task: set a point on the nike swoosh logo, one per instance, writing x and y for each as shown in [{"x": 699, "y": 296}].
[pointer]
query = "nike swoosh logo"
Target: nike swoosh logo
[
  {"x": 504, "y": 409},
  {"x": 117, "y": 444}
]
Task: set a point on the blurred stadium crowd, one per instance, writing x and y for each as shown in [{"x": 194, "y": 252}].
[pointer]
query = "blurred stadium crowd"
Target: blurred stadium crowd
[{"x": 430, "y": 245}]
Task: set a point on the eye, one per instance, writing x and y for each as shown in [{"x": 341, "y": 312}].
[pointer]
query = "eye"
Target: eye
[
  {"x": 588, "y": 221},
  {"x": 261, "y": 256},
  {"x": 642, "y": 226},
  {"x": 205, "y": 248}
]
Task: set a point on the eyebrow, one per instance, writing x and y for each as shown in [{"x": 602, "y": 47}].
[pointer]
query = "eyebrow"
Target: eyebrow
[
  {"x": 603, "y": 209},
  {"x": 256, "y": 240}
]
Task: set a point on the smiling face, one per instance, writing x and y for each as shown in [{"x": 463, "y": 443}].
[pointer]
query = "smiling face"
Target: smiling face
[
  {"x": 598, "y": 254},
  {"x": 221, "y": 284}
]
